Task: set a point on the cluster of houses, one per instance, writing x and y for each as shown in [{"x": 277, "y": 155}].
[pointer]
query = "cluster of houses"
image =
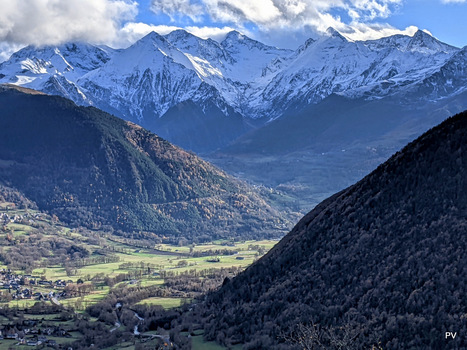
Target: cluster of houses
[
  {"x": 27, "y": 218},
  {"x": 30, "y": 334},
  {"x": 22, "y": 286}
]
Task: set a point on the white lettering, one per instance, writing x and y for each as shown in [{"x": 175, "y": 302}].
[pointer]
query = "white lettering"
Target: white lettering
[{"x": 450, "y": 335}]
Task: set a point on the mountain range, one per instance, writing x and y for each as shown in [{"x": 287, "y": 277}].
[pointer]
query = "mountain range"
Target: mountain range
[
  {"x": 306, "y": 122},
  {"x": 186, "y": 88},
  {"x": 95, "y": 170},
  {"x": 380, "y": 264}
]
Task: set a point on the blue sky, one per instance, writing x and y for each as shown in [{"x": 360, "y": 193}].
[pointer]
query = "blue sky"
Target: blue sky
[
  {"x": 447, "y": 22},
  {"x": 283, "y": 23}
]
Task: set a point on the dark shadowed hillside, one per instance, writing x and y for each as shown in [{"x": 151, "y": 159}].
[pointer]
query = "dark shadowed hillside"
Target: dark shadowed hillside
[
  {"x": 201, "y": 129},
  {"x": 382, "y": 261},
  {"x": 93, "y": 169}
]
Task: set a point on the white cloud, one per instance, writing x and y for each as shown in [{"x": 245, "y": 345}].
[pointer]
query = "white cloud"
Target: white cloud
[
  {"x": 273, "y": 17},
  {"x": 453, "y": 1},
  {"x": 7, "y": 49},
  {"x": 174, "y": 8},
  {"x": 359, "y": 31},
  {"x": 372, "y": 9},
  {"x": 43, "y": 22},
  {"x": 427, "y": 31},
  {"x": 132, "y": 31},
  {"x": 214, "y": 33},
  {"x": 261, "y": 12}
]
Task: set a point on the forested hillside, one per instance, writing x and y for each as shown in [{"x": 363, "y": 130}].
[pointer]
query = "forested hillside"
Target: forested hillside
[
  {"x": 381, "y": 263},
  {"x": 92, "y": 169}
]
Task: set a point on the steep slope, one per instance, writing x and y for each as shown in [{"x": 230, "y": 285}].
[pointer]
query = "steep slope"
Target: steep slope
[
  {"x": 380, "y": 262},
  {"x": 178, "y": 85},
  {"x": 203, "y": 128},
  {"x": 229, "y": 66},
  {"x": 93, "y": 169},
  {"x": 144, "y": 80},
  {"x": 250, "y": 59},
  {"x": 55, "y": 69},
  {"x": 449, "y": 80},
  {"x": 334, "y": 65}
]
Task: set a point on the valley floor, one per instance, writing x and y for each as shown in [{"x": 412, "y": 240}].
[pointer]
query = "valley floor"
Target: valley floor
[{"x": 60, "y": 285}]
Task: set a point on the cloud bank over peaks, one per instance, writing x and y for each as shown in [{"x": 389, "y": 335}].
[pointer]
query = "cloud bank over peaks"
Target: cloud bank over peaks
[
  {"x": 286, "y": 23},
  {"x": 355, "y": 18},
  {"x": 109, "y": 22}
]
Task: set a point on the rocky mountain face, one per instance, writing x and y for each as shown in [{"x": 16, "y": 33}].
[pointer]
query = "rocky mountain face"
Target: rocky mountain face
[
  {"x": 93, "y": 169},
  {"x": 381, "y": 263},
  {"x": 370, "y": 69},
  {"x": 54, "y": 70},
  {"x": 238, "y": 84}
]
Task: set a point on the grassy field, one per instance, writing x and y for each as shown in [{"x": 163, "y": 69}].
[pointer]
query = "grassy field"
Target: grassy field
[
  {"x": 6, "y": 344},
  {"x": 166, "y": 303},
  {"x": 242, "y": 259},
  {"x": 94, "y": 297}
]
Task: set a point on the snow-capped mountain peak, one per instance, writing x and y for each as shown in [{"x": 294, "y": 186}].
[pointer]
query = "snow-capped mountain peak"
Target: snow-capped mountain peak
[
  {"x": 64, "y": 59},
  {"x": 206, "y": 52},
  {"x": 54, "y": 69},
  {"x": 151, "y": 43},
  {"x": 232, "y": 38},
  {"x": 425, "y": 43},
  {"x": 236, "y": 40},
  {"x": 331, "y": 32},
  {"x": 182, "y": 36},
  {"x": 151, "y": 52}
]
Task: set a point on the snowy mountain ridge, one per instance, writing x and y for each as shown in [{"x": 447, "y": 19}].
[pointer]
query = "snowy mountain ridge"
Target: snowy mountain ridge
[
  {"x": 238, "y": 75},
  {"x": 371, "y": 69}
]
